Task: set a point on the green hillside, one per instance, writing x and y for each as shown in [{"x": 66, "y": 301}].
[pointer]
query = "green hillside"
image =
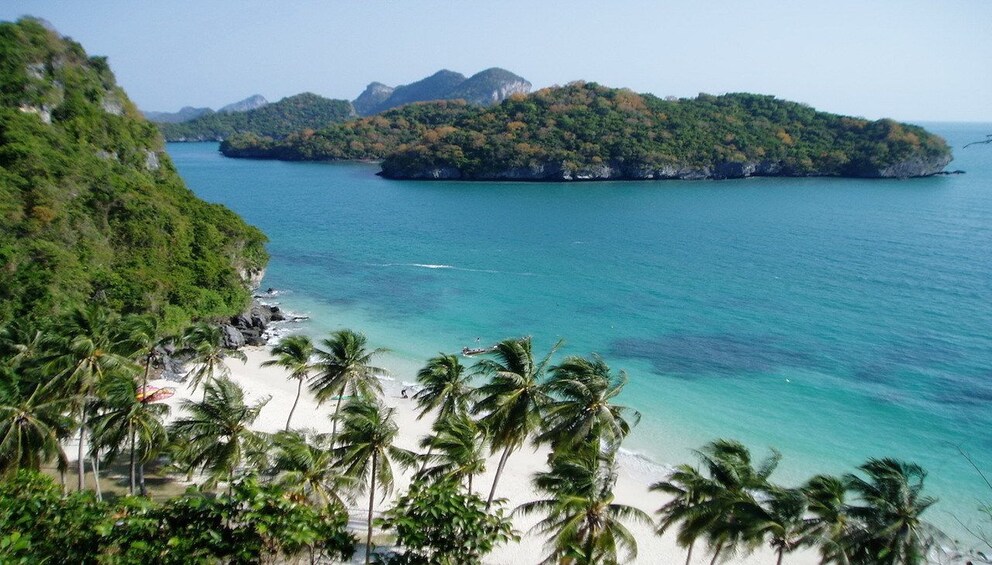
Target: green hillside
[
  {"x": 587, "y": 131},
  {"x": 92, "y": 208},
  {"x": 278, "y": 119}
]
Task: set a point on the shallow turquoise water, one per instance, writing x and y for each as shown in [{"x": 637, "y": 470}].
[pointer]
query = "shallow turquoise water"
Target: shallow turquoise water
[{"x": 833, "y": 319}]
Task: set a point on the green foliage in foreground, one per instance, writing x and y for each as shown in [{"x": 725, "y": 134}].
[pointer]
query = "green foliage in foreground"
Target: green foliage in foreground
[
  {"x": 91, "y": 207},
  {"x": 585, "y": 125},
  {"x": 255, "y": 524},
  {"x": 278, "y": 119},
  {"x": 439, "y": 524}
]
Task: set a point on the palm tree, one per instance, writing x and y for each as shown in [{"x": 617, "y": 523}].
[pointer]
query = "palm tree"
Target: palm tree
[
  {"x": 204, "y": 342},
  {"x": 729, "y": 512},
  {"x": 457, "y": 445},
  {"x": 892, "y": 502},
  {"x": 304, "y": 464},
  {"x": 513, "y": 398},
  {"x": 344, "y": 366},
  {"x": 366, "y": 451},
  {"x": 782, "y": 518},
  {"x": 585, "y": 525},
  {"x": 215, "y": 435},
  {"x": 446, "y": 387},
  {"x": 294, "y": 354},
  {"x": 122, "y": 419},
  {"x": 84, "y": 354},
  {"x": 687, "y": 487},
  {"x": 145, "y": 338},
  {"x": 581, "y": 410},
  {"x": 830, "y": 524},
  {"x": 33, "y": 421}
]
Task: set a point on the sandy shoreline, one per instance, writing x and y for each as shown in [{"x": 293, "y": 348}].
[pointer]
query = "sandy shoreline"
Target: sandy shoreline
[{"x": 636, "y": 472}]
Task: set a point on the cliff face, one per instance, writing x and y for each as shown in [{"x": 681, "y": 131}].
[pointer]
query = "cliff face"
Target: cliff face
[
  {"x": 485, "y": 88},
  {"x": 559, "y": 172},
  {"x": 375, "y": 95},
  {"x": 250, "y": 103}
]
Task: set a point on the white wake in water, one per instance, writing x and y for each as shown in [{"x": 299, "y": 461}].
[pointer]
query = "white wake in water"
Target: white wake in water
[{"x": 451, "y": 267}]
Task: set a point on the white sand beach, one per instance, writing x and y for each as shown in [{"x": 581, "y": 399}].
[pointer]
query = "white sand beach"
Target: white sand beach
[{"x": 634, "y": 477}]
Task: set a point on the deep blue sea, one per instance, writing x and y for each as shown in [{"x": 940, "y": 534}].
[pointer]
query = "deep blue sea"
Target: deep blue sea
[{"x": 832, "y": 319}]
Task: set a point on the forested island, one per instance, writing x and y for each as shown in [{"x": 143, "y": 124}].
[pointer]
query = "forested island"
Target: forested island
[
  {"x": 277, "y": 119},
  {"x": 585, "y": 131}
]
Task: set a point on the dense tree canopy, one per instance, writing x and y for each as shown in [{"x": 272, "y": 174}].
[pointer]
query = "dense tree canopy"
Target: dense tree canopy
[
  {"x": 571, "y": 131},
  {"x": 293, "y": 113},
  {"x": 91, "y": 206}
]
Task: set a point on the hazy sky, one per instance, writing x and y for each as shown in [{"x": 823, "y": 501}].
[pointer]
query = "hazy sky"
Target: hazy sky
[{"x": 905, "y": 59}]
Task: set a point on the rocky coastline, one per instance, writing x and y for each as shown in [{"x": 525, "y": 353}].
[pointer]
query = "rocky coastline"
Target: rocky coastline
[{"x": 917, "y": 166}]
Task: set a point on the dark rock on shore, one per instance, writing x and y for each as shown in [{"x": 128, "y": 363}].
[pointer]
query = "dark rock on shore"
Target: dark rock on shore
[
  {"x": 250, "y": 325},
  {"x": 557, "y": 172}
]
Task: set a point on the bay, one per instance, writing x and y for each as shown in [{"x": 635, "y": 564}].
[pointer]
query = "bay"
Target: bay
[{"x": 831, "y": 319}]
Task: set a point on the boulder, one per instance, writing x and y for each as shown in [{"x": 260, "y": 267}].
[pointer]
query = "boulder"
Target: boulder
[{"x": 232, "y": 338}]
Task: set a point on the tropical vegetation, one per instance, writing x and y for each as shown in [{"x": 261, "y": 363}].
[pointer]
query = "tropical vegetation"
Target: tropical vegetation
[
  {"x": 582, "y": 129},
  {"x": 278, "y": 119},
  {"x": 91, "y": 207}
]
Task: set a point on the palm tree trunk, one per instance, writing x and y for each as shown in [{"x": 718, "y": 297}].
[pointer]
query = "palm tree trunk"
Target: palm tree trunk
[
  {"x": 141, "y": 479},
  {"x": 95, "y": 463},
  {"x": 81, "y": 464},
  {"x": 716, "y": 554},
  {"x": 334, "y": 424},
  {"x": 499, "y": 471},
  {"x": 427, "y": 458},
  {"x": 299, "y": 389},
  {"x": 133, "y": 466},
  {"x": 688, "y": 556},
  {"x": 368, "y": 537},
  {"x": 470, "y": 484},
  {"x": 781, "y": 552}
]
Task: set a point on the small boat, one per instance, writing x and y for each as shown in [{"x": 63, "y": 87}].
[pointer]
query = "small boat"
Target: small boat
[
  {"x": 155, "y": 394},
  {"x": 470, "y": 351}
]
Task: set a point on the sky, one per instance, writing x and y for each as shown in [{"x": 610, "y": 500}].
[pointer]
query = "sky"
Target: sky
[{"x": 912, "y": 60}]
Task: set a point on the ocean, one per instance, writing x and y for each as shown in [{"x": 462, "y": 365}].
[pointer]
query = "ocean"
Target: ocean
[{"x": 831, "y": 319}]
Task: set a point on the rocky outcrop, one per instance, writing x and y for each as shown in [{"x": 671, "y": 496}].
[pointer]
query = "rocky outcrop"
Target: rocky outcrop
[
  {"x": 556, "y": 172},
  {"x": 250, "y": 103},
  {"x": 250, "y": 325},
  {"x": 920, "y": 166},
  {"x": 485, "y": 88},
  {"x": 374, "y": 96}
]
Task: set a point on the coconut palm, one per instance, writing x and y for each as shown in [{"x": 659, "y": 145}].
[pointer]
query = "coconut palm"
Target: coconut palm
[
  {"x": 892, "y": 502},
  {"x": 304, "y": 465},
  {"x": 830, "y": 523},
  {"x": 294, "y": 354},
  {"x": 781, "y": 518},
  {"x": 457, "y": 446},
  {"x": 512, "y": 399},
  {"x": 445, "y": 385},
  {"x": 729, "y": 512},
  {"x": 215, "y": 434},
  {"x": 124, "y": 420},
  {"x": 581, "y": 409},
  {"x": 687, "y": 488},
  {"x": 366, "y": 452},
  {"x": 84, "y": 353},
  {"x": 145, "y": 339},
  {"x": 33, "y": 420},
  {"x": 204, "y": 343},
  {"x": 585, "y": 525},
  {"x": 344, "y": 367}
]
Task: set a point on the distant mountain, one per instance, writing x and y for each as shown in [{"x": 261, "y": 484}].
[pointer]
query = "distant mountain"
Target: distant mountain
[
  {"x": 374, "y": 97},
  {"x": 278, "y": 119},
  {"x": 485, "y": 88},
  {"x": 489, "y": 87},
  {"x": 186, "y": 114},
  {"x": 250, "y": 103}
]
